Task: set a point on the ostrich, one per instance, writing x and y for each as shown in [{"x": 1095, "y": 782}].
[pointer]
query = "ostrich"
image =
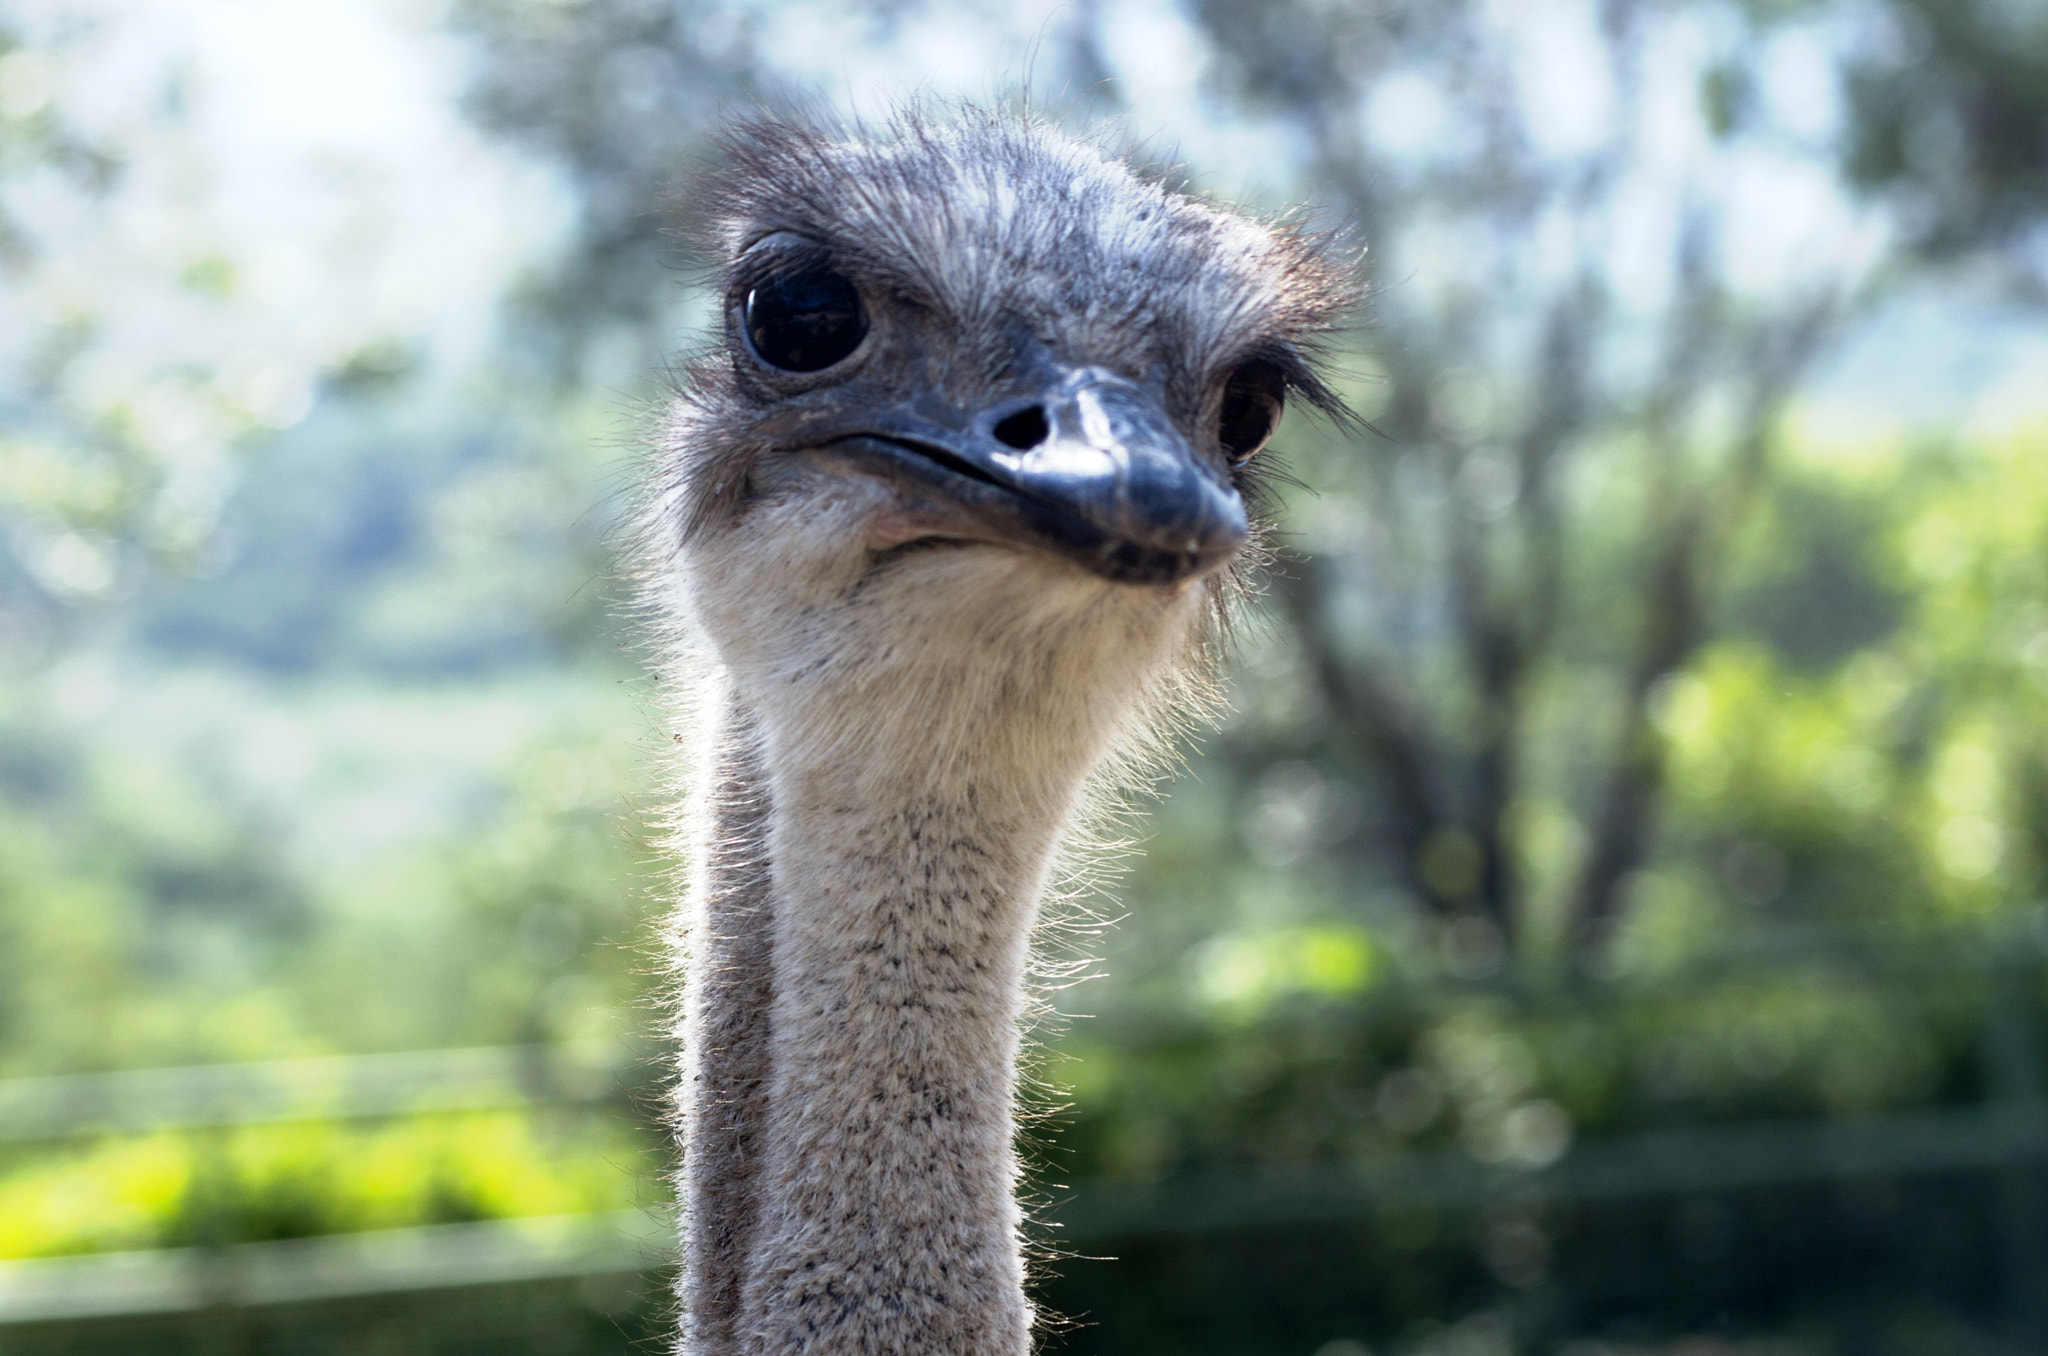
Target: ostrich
[{"x": 943, "y": 524}]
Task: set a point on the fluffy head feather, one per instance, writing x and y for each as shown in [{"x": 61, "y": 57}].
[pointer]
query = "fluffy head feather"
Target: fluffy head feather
[{"x": 988, "y": 246}]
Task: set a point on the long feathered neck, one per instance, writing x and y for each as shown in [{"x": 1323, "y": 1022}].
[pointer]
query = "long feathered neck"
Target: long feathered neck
[{"x": 869, "y": 866}]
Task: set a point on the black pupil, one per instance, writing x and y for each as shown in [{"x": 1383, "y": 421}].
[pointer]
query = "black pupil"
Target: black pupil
[
  {"x": 804, "y": 322},
  {"x": 1251, "y": 407}
]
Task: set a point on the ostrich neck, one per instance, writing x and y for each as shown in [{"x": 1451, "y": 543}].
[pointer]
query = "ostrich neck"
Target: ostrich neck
[{"x": 859, "y": 941}]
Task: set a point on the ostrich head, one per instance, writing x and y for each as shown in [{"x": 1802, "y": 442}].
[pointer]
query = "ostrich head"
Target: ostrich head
[
  {"x": 946, "y": 513},
  {"x": 976, "y": 377}
]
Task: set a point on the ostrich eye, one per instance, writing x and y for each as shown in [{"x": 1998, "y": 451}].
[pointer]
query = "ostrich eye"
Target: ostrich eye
[
  {"x": 804, "y": 322},
  {"x": 1251, "y": 407}
]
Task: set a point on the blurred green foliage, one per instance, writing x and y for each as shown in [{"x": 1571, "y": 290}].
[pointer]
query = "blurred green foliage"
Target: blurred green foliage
[{"x": 253, "y": 1184}]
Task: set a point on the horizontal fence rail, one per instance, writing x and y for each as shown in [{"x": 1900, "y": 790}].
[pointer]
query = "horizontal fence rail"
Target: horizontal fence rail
[
  {"x": 294, "y": 1271},
  {"x": 341, "y": 1087},
  {"x": 1672, "y": 1163},
  {"x": 1660, "y": 1163}
]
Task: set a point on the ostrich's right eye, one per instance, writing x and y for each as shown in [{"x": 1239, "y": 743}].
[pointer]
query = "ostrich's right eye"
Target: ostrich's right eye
[
  {"x": 804, "y": 322},
  {"x": 1251, "y": 408}
]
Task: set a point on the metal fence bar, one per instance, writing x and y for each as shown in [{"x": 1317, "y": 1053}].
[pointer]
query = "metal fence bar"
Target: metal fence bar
[
  {"x": 1658, "y": 1163},
  {"x": 184, "y": 1280},
  {"x": 341, "y": 1087}
]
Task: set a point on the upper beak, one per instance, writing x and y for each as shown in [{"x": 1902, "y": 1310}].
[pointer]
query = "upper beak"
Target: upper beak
[{"x": 1092, "y": 469}]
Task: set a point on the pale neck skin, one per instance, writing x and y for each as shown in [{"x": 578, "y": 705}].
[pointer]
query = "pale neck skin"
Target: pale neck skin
[{"x": 900, "y": 749}]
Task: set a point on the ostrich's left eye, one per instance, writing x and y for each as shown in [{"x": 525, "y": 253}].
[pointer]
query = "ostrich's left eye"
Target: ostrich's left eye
[
  {"x": 804, "y": 322},
  {"x": 1252, "y": 399}
]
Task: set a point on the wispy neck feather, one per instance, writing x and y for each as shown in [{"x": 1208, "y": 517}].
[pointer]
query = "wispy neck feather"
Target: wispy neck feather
[
  {"x": 853, "y": 1001},
  {"x": 728, "y": 935},
  {"x": 886, "y": 1216}
]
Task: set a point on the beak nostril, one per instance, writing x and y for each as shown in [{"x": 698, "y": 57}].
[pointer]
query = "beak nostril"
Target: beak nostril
[{"x": 1023, "y": 430}]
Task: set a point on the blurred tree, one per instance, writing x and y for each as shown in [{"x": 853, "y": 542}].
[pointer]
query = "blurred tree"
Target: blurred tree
[
  {"x": 1610, "y": 244},
  {"x": 620, "y": 95},
  {"x": 116, "y": 438},
  {"x": 210, "y": 659},
  {"x": 1949, "y": 104},
  {"x": 1585, "y": 350},
  {"x": 62, "y": 510}
]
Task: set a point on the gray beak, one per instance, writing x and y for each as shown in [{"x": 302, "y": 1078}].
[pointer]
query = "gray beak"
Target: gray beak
[{"x": 1092, "y": 469}]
